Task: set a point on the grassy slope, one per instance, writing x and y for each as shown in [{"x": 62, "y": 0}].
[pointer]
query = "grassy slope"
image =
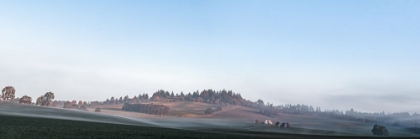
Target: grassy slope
[
  {"x": 25, "y": 127},
  {"x": 28, "y": 127}
]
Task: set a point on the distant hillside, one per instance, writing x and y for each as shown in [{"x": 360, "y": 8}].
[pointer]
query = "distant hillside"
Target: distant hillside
[{"x": 224, "y": 98}]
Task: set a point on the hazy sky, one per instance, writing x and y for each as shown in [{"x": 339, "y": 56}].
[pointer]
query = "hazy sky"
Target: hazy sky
[{"x": 334, "y": 54}]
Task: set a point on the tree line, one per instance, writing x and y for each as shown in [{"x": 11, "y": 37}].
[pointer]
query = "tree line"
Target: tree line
[
  {"x": 8, "y": 94},
  {"x": 395, "y": 119},
  {"x": 154, "y": 109},
  {"x": 206, "y": 96}
]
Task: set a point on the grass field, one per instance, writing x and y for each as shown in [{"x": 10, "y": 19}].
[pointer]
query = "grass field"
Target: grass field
[{"x": 14, "y": 127}]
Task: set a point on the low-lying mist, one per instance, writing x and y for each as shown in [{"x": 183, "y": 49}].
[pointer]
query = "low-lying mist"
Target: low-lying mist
[{"x": 326, "y": 127}]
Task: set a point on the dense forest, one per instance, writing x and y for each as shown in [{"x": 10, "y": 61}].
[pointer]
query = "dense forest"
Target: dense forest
[{"x": 147, "y": 108}]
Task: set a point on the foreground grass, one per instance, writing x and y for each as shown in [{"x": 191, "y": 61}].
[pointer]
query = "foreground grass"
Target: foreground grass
[
  {"x": 27, "y": 128},
  {"x": 12, "y": 127}
]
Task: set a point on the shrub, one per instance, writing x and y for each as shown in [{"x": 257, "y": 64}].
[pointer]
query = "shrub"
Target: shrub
[
  {"x": 208, "y": 111},
  {"x": 98, "y": 110}
]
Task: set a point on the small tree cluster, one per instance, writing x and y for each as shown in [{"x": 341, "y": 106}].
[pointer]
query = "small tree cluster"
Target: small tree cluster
[
  {"x": 209, "y": 111},
  {"x": 46, "y": 99},
  {"x": 122, "y": 100},
  {"x": 143, "y": 97},
  {"x": 70, "y": 105},
  {"x": 25, "y": 100},
  {"x": 147, "y": 108},
  {"x": 73, "y": 105}
]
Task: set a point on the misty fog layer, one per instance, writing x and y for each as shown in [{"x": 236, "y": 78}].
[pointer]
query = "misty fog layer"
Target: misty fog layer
[{"x": 327, "y": 127}]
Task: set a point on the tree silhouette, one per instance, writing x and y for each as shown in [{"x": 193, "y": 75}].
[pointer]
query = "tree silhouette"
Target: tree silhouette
[
  {"x": 39, "y": 100},
  {"x": 46, "y": 99},
  {"x": 49, "y": 96},
  {"x": 147, "y": 108},
  {"x": 25, "y": 100},
  {"x": 208, "y": 111},
  {"x": 146, "y": 97},
  {"x": 261, "y": 102},
  {"x": 8, "y": 92},
  {"x": 112, "y": 101}
]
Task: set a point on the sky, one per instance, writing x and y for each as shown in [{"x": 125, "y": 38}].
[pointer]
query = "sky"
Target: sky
[{"x": 333, "y": 54}]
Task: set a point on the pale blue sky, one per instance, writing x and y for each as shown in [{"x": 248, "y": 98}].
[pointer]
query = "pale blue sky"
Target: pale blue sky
[{"x": 333, "y": 54}]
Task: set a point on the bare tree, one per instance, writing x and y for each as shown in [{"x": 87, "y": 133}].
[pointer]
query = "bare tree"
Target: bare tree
[
  {"x": 25, "y": 100},
  {"x": 8, "y": 92}
]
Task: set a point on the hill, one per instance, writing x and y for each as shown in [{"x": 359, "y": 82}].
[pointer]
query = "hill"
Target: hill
[
  {"x": 242, "y": 117},
  {"x": 23, "y": 121}
]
